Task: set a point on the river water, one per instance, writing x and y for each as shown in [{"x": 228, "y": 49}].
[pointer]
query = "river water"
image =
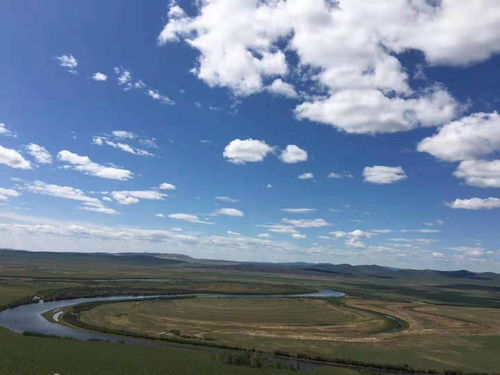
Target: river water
[{"x": 29, "y": 317}]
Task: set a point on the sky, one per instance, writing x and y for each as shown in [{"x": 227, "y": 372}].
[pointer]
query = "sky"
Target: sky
[{"x": 285, "y": 130}]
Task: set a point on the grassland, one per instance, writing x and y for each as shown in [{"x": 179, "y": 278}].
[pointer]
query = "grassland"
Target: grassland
[
  {"x": 46, "y": 356},
  {"x": 437, "y": 337},
  {"x": 452, "y": 318}
]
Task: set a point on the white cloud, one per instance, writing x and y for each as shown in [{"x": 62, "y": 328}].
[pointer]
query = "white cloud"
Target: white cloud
[
  {"x": 479, "y": 172},
  {"x": 475, "y": 203},
  {"x": 40, "y": 153},
  {"x": 305, "y": 176},
  {"x": 470, "y": 251},
  {"x": 370, "y": 111},
  {"x": 125, "y": 79},
  {"x": 437, "y": 254},
  {"x": 229, "y": 212},
  {"x": 101, "y": 77},
  {"x": 293, "y": 154},
  {"x": 4, "y": 130},
  {"x": 98, "y": 208},
  {"x": 470, "y": 137},
  {"x": 160, "y": 216},
  {"x": 282, "y": 88},
  {"x": 166, "y": 186},
  {"x": 339, "y": 175},
  {"x": 264, "y": 235},
  {"x": 299, "y": 236},
  {"x": 306, "y": 223},
  {"x": 124, "y": 134},
  {"x": 92, "y": 233},
  {"x": 156, "y": 95},
  {"x": 13, "y": 159},
  {"x": 6, "y": 194},
  {"x": 224, "y": 32},
  {"x": 299, "y": 210},
  {"x": 280, "y": 228},
  {"x": 269, "y": 186},
  {"x": 69, "y": 62},
  {"x": 133, "y": 196},
  {"x": 249, "y": 150},
  {"x": 353, "y": 239},
  {"x": 436, "y": 222},
  {"x": 379, "y": 174},
  {"x": 355, "y": 233},
  {"x": 68, "y": 192},
  {"x": 123, "y": 146},
  {"x": 116, "y": 140},
  {"x": 425, "y": 230},
  {"x": 227, "y": 199},
  {"x": 85, "y": 165},
  {"x": 189, "y": 218},
  {"x": 364, "y": 86}
]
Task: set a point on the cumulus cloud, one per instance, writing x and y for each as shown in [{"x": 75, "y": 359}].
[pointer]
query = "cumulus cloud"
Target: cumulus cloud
[
  {"x": 299, "y": 210},
  {"x": 100, "y": 77},
  {"x": 246, "y": 151},
  {"x": 166, "y": 186},
  {"x": 69, "y": 62},
  {"x": 365, "y": 88},
  {"x": 293, "y": 154},
  {"x": 13, "y": 159},
  {"x": 479, "y": 173},
  {"x": 282, "y": 88},
  {"x": 6, "y": 194},
  {"x": 470, "y": 137},
  {"x": 189, "y": 218},
  {"x": 133, "y": 196},
  {"x": 353, "y": 239},
  {"x": 40, "y": 153},
  {"x": 305, "y": 176},
  {"x": 68, "y": 192},
  {"x": 369, "y": 111},
  {"x": 229, "y": 212},
  {"x": 85, "y": 165},
  {"x": 475, "y": 203},
  {"x": 379, "y": 174}
]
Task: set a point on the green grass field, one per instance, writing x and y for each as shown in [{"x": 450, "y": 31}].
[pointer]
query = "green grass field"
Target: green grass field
[{"x": 21, "y": 355}]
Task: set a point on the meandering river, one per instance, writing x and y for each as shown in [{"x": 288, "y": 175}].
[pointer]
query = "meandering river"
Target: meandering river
[{"x": 30, "y": 317}]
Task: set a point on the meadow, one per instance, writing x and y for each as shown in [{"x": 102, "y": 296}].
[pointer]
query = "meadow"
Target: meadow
[
  {"x": 433, "y": 337},
  {"x": 446, "y": 321}
]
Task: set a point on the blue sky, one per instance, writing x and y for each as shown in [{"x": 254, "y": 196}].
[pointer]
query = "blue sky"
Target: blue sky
[{"x": 226, "y": 104}]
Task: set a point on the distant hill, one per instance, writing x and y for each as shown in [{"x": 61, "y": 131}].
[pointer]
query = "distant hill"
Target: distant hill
[{"x": 11, "y": 256}]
